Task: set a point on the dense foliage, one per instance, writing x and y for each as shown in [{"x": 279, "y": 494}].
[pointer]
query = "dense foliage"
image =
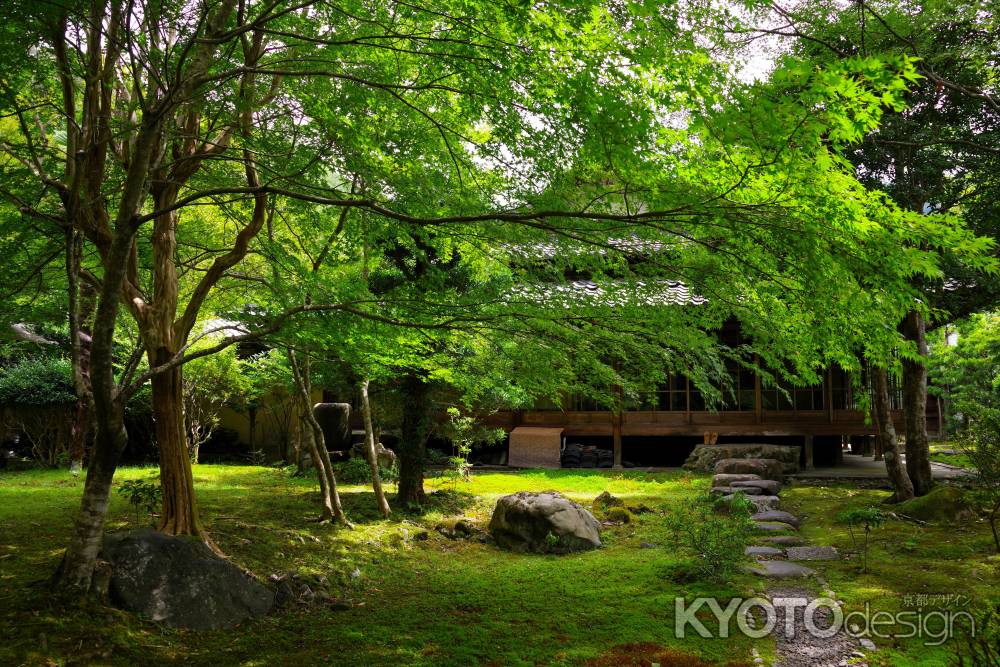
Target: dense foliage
[{"x": 37, "y": 381}]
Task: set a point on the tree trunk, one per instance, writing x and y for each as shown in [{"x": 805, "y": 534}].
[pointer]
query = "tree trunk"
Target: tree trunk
[
  {"x": 886, "y": 436},
  {"x": 366, "y": 410},
  {"x": 78, "y": 562},
  {"x": 326, "y": 498},
  {"x": 412, "y": 447},
  {"x": 180, "y": 509},
  {"x": 918, "y": 452},
  {"x": 315, "y": 439}
]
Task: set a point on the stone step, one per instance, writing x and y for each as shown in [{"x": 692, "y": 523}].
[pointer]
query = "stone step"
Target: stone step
[
  {"x": 768, "y": 486},
  {"x": 727, "y": 479},
  {"x": 812, "y": 553},
  {"x": 781, "y": 569},
  {"x": 728, "y": 491},
  {"x": 762, "y": 551},
  {"x": 777, "y": 515},
  {"x": 782, "y": 540},
  {"x": 773, "y": 526}
]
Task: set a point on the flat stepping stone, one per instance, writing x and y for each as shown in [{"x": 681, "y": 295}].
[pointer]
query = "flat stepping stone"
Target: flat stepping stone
[
  {"x": 760, "y": 503},
  {"x": 727, "y": 479},
  {"x": 728, "y": 491},
  {"x": 763, "y": 551},
  {"x": 768, "y": 486},
  {"x": 812, "y": 553},
  {"x": 777, "y": 515},
  {"x": 782, "y": 540},
  {"x": 765, "y": 503},
  {"x": 781, "y": 569},
  {"x": 773, "y": 526}
]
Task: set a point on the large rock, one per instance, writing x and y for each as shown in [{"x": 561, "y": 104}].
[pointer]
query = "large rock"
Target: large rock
[
  {"x": 180, "y": 582},
  {"x": 763, "y": 468},
  {"x": 704, "y": 457},
  {"x": 543, "y": 523}
]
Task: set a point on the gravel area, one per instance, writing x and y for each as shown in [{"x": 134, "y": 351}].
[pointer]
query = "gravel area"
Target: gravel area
[{"x": 801, "y": 649}]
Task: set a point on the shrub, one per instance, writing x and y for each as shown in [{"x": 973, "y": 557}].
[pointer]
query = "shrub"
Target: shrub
[
  {"x": 357, "y": 471},
  {"x": 719, "y": 542},
  {"x": 37, "y": 381}
]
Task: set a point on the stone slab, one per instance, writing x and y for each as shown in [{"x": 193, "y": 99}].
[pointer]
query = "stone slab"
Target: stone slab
[
  {"x": 728, "y": 491},
  {"x": 781, "y": 569},
  {"x": 772, "y": 526},
  {"x": 777, "y": 515},
  {"x": 763, "y": 551},
  {"x": 812, "y": 553}
]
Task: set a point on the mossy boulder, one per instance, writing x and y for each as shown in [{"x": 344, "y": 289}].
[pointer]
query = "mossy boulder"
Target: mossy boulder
[
  {"x": 942, "y": 504},
  {"x": 605, "y": 501},
  {"x": 618, "y": 515}
]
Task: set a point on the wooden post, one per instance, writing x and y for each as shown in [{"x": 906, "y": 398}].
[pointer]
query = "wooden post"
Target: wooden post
[
  {"x": 808, "y": 446},
  {"x": 828, "y": 393},
  {"x": 616, "y": 435},
  {"x": 687, "y": 398},
  {"x": 758, "y": 394}
]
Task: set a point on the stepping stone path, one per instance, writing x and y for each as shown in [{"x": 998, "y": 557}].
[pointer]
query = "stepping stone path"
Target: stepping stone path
[{"x": 779, "y": 557}]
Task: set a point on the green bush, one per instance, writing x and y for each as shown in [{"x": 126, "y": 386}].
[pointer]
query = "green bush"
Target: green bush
[
  {"x": 718, "y": 542},
  {"x": 37, "y": 381},
  {"x": 356, "y": 471}
]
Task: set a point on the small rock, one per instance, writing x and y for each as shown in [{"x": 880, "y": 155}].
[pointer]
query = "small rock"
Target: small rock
[
  {"x": 646, "y": 545},
  {"x": 867, "y": 644},
  {"x": 356, "y": 574}
]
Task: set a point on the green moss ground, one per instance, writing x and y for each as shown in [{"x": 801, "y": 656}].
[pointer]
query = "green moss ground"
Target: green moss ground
[
  {"x": 433, "y": 602},
  {"x": 443, "y": 602}
]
